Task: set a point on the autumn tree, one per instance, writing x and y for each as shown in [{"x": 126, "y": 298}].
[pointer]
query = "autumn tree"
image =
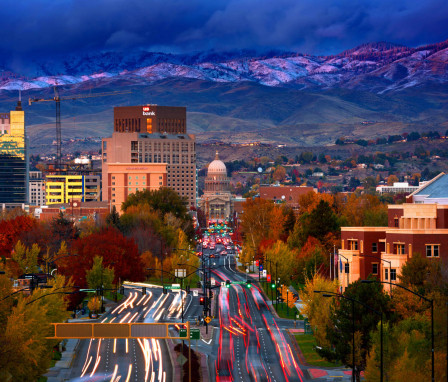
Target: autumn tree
[
  {"x": 25, "y": 352},
  {"x": 279, "y": 174},
  {"x": 391, "y": 179},
  {"x": 317, "y": 308},
  {"x": 10, "y": 231},
  {"x": 94, "y": 304},
  {"x": 363, "y": 210},
  {"x": 117, "y": 251},
  {"x": 26, "y": 258},
  {"x": 281, "y": 261},
  {"x": 99, "y": 276}
]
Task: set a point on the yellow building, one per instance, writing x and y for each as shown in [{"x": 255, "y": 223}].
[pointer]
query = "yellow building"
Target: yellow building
[
  {"x": 65, "y": 188},
  {"x": 13, "y": 154}
]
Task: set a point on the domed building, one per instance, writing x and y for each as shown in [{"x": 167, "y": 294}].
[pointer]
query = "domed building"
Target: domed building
[{"x": 217, "y": 200}]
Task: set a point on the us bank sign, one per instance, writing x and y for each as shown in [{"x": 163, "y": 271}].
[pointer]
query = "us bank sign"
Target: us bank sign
[{"x": 147, "y": 111}]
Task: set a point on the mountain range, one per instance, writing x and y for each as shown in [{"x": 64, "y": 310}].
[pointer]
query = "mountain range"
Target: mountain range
[{"x": 282, "y": 97}]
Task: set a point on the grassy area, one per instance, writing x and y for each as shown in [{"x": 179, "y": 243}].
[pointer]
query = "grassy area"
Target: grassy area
[
  {"x": 286, "y": 313},
  {"x": 192, "y": 280},
  {"x": 307, "y": 345}
]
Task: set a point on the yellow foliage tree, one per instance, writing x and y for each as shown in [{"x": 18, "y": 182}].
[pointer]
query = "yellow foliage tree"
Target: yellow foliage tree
[
  {"x": 94, "y": 304},
  {"x": 284, "y": 257},
  {"x": 25, "y": 257},
  {"x": 318, "y": 308},
  {"x": 287, "y": 296}
]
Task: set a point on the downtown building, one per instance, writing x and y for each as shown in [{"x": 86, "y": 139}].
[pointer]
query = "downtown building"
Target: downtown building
[
  {"x": 149, "y": 149},
  {"x": 416, "y": 228},
  {"x": 14, "y": 166}
]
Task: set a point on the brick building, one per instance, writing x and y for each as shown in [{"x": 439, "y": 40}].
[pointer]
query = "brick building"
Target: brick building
[
  {"x": 419, "y": 228},
  {"x": 285, "y": 194},
  {"x": 152, "y": 137}
]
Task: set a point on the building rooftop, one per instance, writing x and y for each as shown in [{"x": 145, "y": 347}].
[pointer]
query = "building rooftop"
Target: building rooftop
[{"x": 435, "y": 191}]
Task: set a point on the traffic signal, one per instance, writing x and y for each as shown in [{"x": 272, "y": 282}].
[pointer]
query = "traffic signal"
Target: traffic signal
[
  {"x": 198, "y": 284},
  {"x": 187, "y": 288},
  {"x": 164, "y": 290},
  {"x": 143, "y": 290},
  {"x": 201, "y": 300},
  {"x": 211, "y": 294},
  {"x": 249, "y": 283},
  {"x": 227, "y": 283},
  {"x": 273, "y": 285}
]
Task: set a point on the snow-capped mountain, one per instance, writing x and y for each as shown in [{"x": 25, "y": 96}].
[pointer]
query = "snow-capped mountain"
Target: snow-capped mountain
[{"x": 375, "y": 67}]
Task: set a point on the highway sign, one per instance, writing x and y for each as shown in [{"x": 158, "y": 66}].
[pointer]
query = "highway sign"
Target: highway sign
[
  {"x": 174, "y": 286},
  {"x": 181, "y": 359},
  {"x": 195, "y": 334},
  {"x": 207, "y": 319},
  {"x": 238, "y": 282},
  {"x": 195, "y": 293},
  {"x": 183, "y": 333},
  {"x": 180, "y": 272},
  {"x": 212, "y": 281}
]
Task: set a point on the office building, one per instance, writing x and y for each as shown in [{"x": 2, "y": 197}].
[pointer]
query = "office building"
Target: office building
[
  {"x": 148, "y": 137},
  {"x": 65, "y": 188},
  {"x": 125, "y": 179},
  {"x": 37, "y": 188},
  {"x": 417, "y": 228},
  {"x": 13, "y": 158}
]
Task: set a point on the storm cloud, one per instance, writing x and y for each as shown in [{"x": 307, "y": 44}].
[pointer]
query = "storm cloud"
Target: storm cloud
[{"x": 43, "y": 28}]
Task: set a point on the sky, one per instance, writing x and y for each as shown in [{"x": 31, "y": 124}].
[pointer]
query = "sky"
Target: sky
[{"x": 36, "y": 29}]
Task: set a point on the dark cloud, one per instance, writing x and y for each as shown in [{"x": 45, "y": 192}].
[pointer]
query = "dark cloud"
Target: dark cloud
[{"x": 44, "y": 28}]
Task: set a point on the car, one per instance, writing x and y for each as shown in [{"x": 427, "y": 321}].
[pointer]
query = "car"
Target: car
[
  {"x": 228, "y": 247},
  {"x": 224, "y": 253}
]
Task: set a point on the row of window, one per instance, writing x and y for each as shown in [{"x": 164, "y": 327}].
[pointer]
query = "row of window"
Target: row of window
[{"x": 432, "y": 250}]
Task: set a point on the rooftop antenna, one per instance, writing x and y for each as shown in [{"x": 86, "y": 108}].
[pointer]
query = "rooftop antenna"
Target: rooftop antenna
[{"x": 19, "y": 102}]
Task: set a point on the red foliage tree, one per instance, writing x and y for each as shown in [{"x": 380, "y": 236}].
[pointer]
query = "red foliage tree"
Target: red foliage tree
[
  {"x": 11, "y": 229},
  {"x": 118, "y": 252}
]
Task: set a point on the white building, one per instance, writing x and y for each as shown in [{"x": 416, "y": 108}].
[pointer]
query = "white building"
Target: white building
[{"x": 36, "y": 188}]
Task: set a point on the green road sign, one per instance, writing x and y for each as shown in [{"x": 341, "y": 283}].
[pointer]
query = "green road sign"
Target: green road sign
[
  {"x": 183, "y": 333},
  {"x": 87, "y": 290},
  {"x": 238, "y": 282},
  {"x": 195, "y": 334},
  {"x": 172, "y": 287}
]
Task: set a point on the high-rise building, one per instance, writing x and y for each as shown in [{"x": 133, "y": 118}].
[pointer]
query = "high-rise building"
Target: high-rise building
[
  {"x": 66, "y": 188},
  {"x": 13, "y": 157},
  {"x": 149, "y": 136}
]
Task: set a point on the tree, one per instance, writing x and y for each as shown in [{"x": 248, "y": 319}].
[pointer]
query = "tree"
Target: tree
[
  {"x": 10, "y": 231},
  {"x": 317, "y": 308},
  {"x": 287, "y": 296},
  {"x": 339, "y": 333},
  {"x": 98, "y": 276},
  {"x": 391, "y": 179},
  {"x": 94, "y": 304},
  {"x": 281, "y": 254},
  {"x": 164, "y": 200},
  {"x": 113, "y": 247},
  {"x": 279, "y": 174},
  {"x": 25, "y": 352},
  {"x": 113, "y": 218},
  {"x": 26, "y": 258}
]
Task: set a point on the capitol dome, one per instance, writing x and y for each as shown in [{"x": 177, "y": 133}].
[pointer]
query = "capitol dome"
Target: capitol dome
[{"x": 217, "y": 167}]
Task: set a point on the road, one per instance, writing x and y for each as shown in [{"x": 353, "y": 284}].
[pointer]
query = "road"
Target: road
[
  {"x": 130, "y": 360},
  {"x": 252, "y": 345}
]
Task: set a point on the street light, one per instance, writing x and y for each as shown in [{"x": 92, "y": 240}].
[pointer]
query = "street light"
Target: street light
[
  {"x": 333, "y": 294},
  {"x": 432, "y": 318}
]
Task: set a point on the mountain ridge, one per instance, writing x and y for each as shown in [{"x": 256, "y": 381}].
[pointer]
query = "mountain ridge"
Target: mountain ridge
[{"x": 377, "y": 67}]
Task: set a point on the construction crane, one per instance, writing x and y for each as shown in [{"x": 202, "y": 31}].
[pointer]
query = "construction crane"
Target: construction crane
[{"x": 58, "y": 100}]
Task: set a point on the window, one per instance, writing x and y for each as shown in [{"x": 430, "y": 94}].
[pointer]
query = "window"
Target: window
[
  {"x": 393, "y": 275},
  {"x": 432, "y": 250},
  {"x": 398, "y": 248},
  {"x": 396, "y": 223},
  {"x": 353, "y": 245},
  {"x": 374, "y": 268},
  {"x": 347, "y": 268},
  {"x": 386, "y": 274},
  {"x": 374, "y": 247}
]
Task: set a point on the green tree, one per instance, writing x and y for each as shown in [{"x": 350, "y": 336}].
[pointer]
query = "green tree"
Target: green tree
[
  {"x": 340, "y": 332},
  {"x": 113, "y": 218},
  {"x": 99, "y": 276},
  {"x": 164, "y": 200}
]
